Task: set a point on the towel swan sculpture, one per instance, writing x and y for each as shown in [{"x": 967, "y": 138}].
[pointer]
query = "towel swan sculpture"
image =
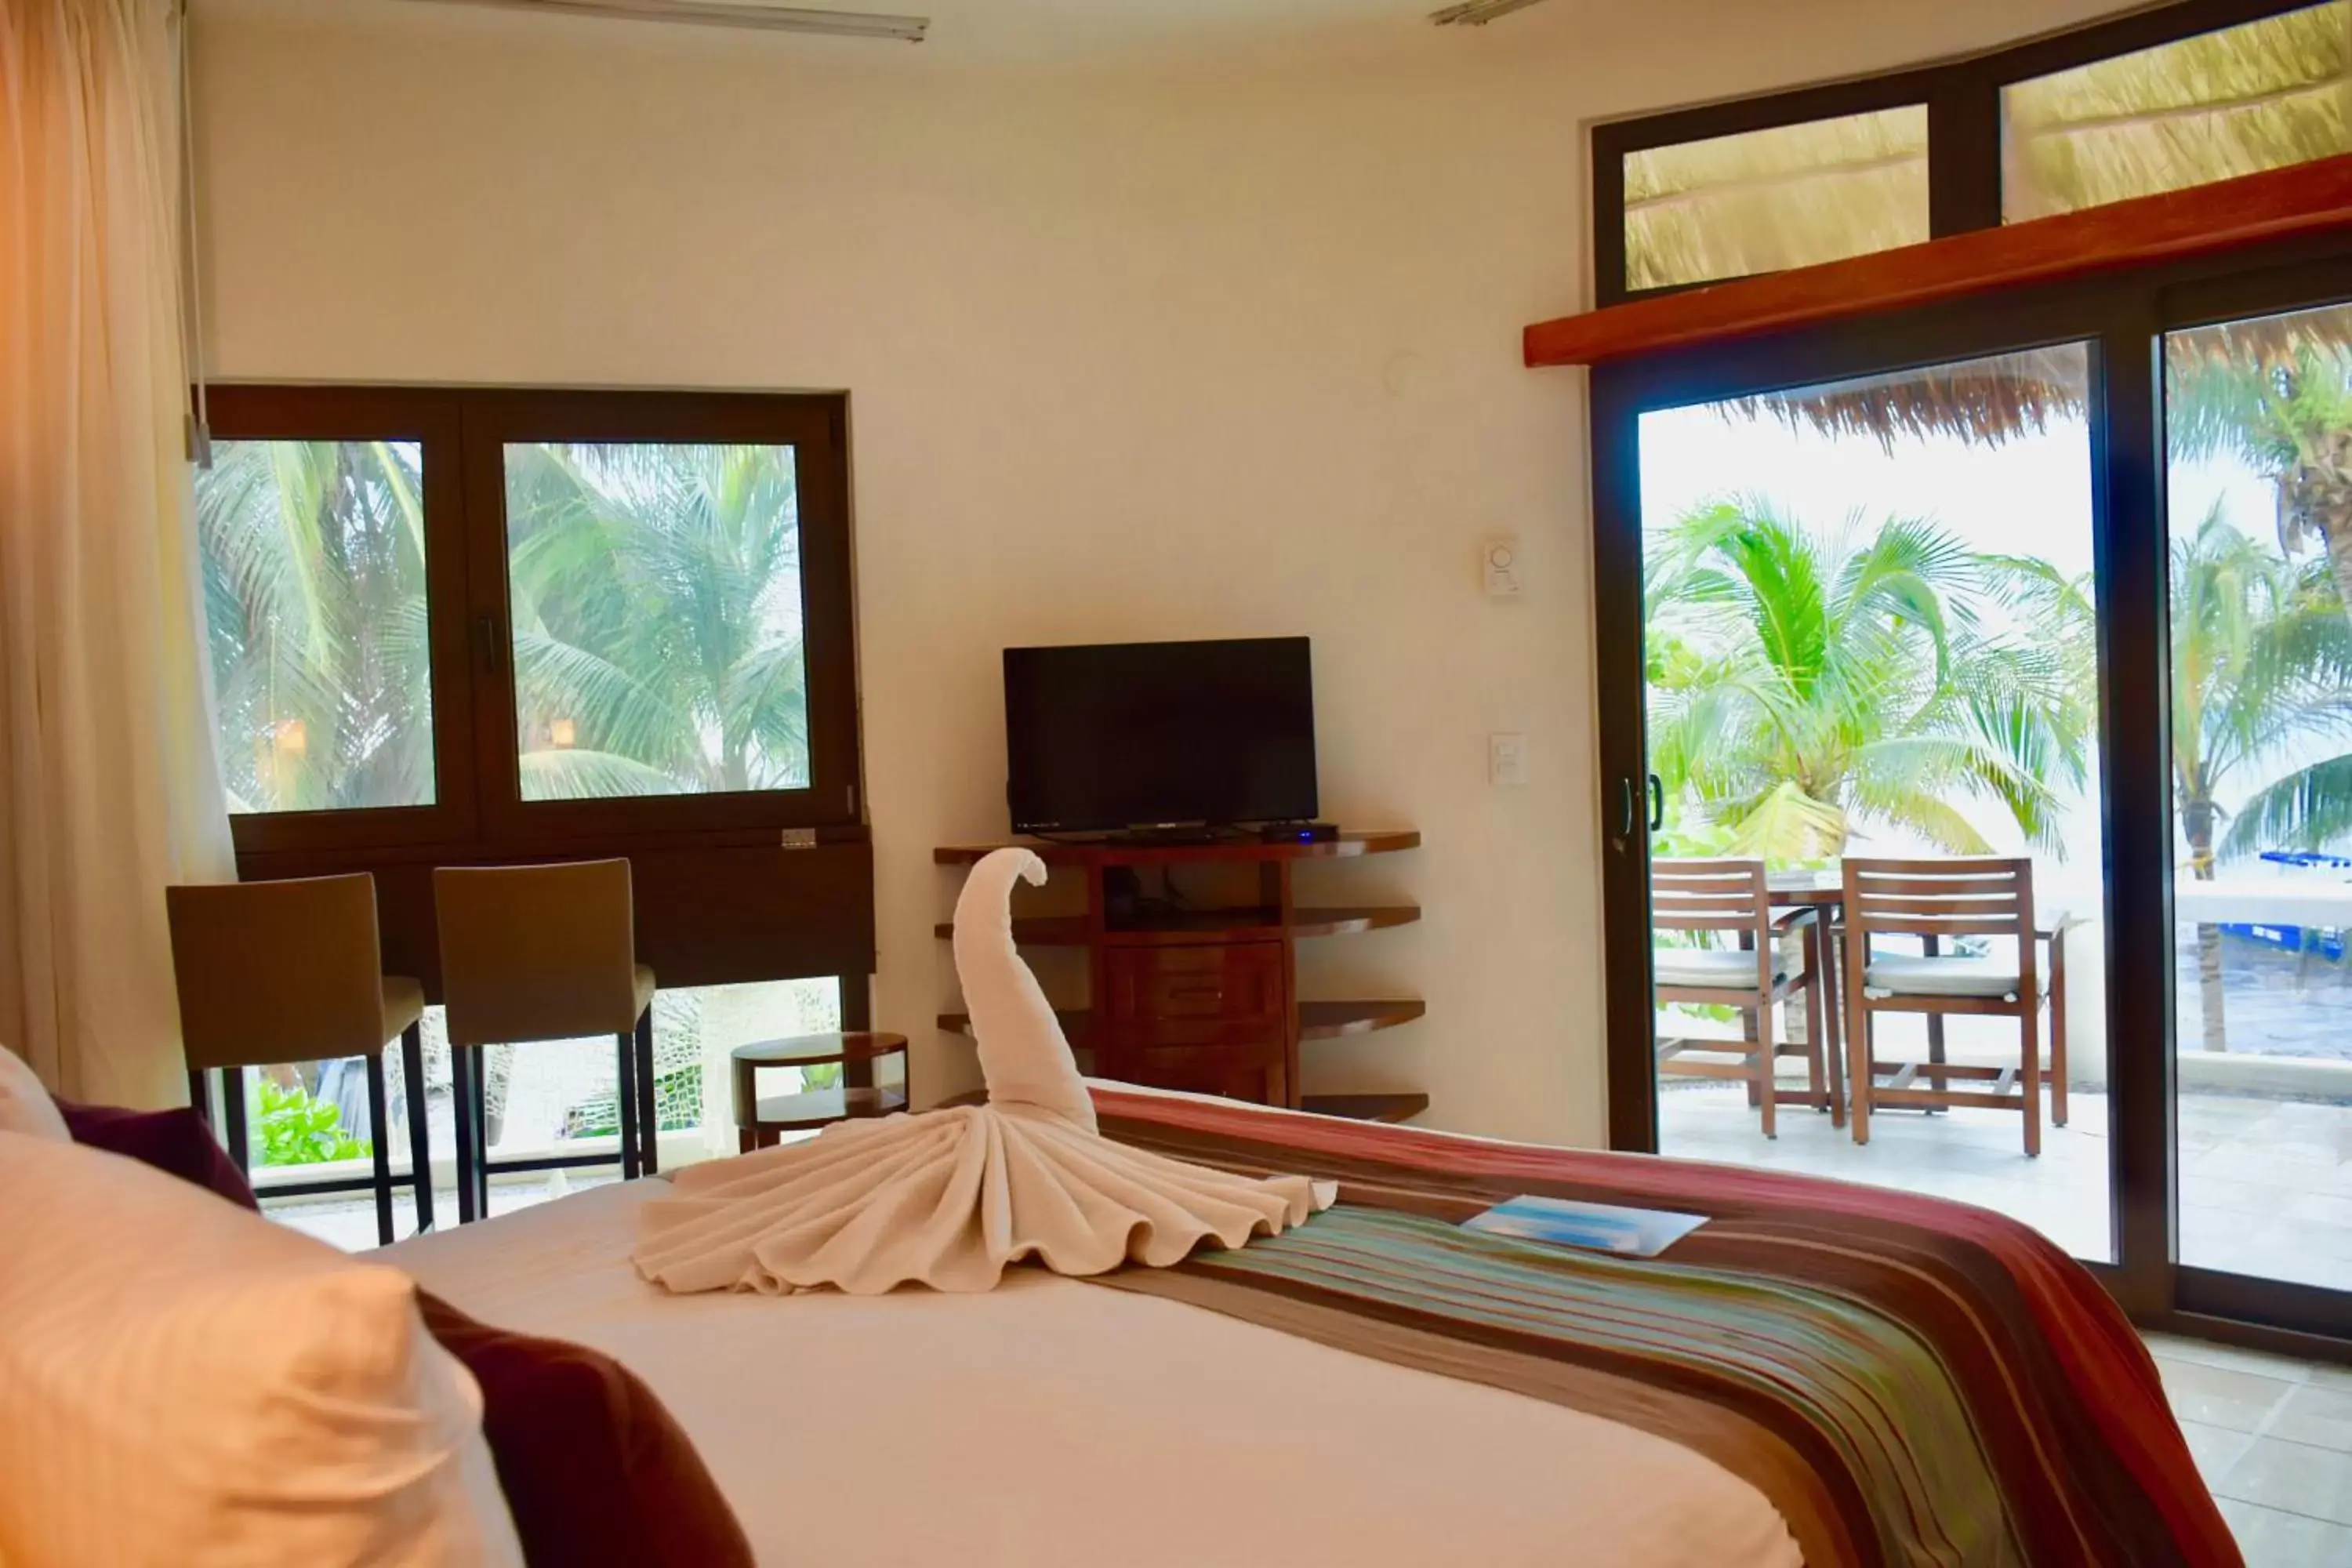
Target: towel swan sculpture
[{"x": 948, "y": 1198}]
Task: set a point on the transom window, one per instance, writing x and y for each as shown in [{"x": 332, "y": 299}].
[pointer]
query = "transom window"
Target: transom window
[
  {"x": 2161, "y": 100},
  {"x": 1790, "y": 195}
]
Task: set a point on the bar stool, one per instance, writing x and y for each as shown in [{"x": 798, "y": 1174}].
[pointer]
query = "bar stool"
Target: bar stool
[
  {"x": 274, "y": 973},
  {"x": 543, "y": 953}
]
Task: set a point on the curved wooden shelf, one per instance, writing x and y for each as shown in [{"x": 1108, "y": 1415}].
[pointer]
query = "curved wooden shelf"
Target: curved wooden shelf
[
  {"x": 1347, "y": 845},
  {"x": 813, "y": 1050},
  {"x": 1317, "y": 1020},
  {"x": 1208, "y": 926},
  {"x": 824, "y": 1107},
  {"x": 1047, "y": 930},
  {"x": 1389, "y": 1108},
  {"x": 1330, "y": 1020},
  {"x": 1350, "y": 920}
]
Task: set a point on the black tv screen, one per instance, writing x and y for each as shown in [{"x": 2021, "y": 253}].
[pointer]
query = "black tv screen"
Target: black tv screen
[{"x": 1119, "y": 735}]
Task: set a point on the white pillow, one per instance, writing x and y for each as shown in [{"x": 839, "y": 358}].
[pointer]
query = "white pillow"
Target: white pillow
[
  {"x": 25, "y": 1103},
  {"x": 184, "y": 1382}
]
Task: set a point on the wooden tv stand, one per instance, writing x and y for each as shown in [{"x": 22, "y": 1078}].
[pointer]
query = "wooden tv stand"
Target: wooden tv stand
[{"x": 1206, "y": 999}]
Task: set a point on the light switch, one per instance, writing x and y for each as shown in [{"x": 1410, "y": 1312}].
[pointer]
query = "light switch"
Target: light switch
[
  {"x": 1506, "y": 759},
  {"x": 1498, "y": 559}
]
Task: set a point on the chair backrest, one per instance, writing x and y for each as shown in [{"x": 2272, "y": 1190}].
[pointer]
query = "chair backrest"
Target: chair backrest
[
  {"x": 1959, "y": 895},
  {"x": 1716, "y": 895},
  {"x": 276, "y": 972},
  {"x": 1710, "y": 895},
  {"x": 536, "y": 953}
]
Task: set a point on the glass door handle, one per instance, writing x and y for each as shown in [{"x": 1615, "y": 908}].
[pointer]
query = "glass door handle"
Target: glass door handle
[{"x": 1626, "y": 819}]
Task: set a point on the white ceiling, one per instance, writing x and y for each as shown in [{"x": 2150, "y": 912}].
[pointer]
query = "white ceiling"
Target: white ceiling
[{"x": 1834, "y": 38}]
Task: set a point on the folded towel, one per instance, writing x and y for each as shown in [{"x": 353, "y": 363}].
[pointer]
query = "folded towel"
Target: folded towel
[{"x": 948, "y": 1198}]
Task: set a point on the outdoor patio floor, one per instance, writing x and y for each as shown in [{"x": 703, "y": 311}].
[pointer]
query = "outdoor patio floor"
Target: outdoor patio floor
[{"x": 2266, "y": 1184}]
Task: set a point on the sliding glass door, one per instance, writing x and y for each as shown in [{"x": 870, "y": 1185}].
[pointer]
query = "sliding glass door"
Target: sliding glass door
[
  {"x": 2258, "y": 428},
  {"x": 1975, "y": 720},
  {"x": 1871, "y": 703}
]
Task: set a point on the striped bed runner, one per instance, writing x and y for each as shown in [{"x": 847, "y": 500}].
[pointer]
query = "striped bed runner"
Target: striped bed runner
[{"x": 1908, "y": 1381}]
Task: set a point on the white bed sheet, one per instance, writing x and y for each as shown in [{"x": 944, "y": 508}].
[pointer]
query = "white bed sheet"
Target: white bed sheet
[{"x": 1055, "y": 1423}]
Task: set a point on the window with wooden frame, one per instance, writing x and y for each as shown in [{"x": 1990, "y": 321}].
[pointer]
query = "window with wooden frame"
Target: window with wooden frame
[
  {"x": 465, "y": 628},
  {"x": 527, "y": 620},
  {"x": 2158, "y": 100}
]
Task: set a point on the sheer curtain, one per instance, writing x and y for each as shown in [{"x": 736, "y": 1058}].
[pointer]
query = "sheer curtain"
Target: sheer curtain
[{"x": 108, "y": 786}]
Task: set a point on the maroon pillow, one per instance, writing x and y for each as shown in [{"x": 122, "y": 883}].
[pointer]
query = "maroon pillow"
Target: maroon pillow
[
  {"x": 594, "y": 1469},
  {"x": 174, "y": 1141}
]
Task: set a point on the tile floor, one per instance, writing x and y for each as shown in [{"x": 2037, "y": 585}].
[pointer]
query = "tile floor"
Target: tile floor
[{"x": 2273, "y": 1438}]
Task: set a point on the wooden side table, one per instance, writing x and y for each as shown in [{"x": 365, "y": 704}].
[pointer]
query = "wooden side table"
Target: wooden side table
[{"x": 760, "y": 1122}]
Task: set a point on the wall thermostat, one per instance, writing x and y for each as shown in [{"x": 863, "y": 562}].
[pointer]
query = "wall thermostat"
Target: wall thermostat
[{"x": 1499, "y": 560}]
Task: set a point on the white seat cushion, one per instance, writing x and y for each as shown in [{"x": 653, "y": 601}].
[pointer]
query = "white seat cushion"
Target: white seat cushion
[
  {"x": 182, "y": 1381},
  {"x": 1715, "y": 969},
  {"x": 1941, "y": 977}
]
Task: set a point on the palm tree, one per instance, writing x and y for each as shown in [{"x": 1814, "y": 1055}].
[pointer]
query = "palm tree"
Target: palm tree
[
  {"x": 2276, "y": 393},
  {"x": 1801, "y": 687},
  {"x": 656, "y": 598},
  {"x": 655, "y": 593},
  {"x": 314, "y": 598},
  {"x": 2263, "y": 94},
  {"x": 2261, "y": 657},
  {"x": 656, "y": 608}
]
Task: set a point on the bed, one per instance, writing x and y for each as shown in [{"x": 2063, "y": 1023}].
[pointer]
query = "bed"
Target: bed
[{"x": 1824, "y": 1373}]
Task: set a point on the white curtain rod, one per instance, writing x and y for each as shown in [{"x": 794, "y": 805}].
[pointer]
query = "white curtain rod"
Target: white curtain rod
[{"x": 717, "y": 13}]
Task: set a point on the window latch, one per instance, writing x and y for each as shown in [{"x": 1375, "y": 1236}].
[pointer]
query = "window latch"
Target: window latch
[
  {"x": 486, "y": 640},
  {"x": 800, "y": 837}
]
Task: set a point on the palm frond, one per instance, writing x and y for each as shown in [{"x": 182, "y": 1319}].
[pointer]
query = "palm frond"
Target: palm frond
[
  {"x": 2311, "y": 809},
  {"x": 572, "y": 774},
  {"x": 1788, "y": 826}
]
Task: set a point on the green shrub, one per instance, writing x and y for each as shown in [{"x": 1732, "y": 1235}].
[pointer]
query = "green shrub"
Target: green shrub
[{"x": 299, "y": 1130}]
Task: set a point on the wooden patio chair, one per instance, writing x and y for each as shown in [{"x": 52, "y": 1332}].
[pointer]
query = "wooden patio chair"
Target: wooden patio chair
[
  {"x": 1984, "y": 896},
  {"x": 1730, "y": 897}
]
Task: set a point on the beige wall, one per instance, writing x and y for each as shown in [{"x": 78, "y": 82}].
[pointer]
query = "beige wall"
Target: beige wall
[{"x": 1132, "y": 353}]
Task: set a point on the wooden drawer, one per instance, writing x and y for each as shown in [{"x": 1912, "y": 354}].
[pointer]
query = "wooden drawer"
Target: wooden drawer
[{"x": 1239, "y": 982}]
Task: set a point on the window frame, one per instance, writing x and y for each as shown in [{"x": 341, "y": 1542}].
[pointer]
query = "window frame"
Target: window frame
[
  {"x": 279, "y": 412},
  {"x": 1964, "y": 122},
  {"x": 2127, "y": 313},
  {"x": 463, "y": 432}
]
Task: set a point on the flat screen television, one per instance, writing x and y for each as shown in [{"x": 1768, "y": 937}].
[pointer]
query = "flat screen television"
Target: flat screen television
[{"x": 1166, "y": 734}]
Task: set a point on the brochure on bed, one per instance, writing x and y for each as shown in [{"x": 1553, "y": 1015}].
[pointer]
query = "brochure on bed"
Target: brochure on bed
[{"x": 948, "y": 1198}]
